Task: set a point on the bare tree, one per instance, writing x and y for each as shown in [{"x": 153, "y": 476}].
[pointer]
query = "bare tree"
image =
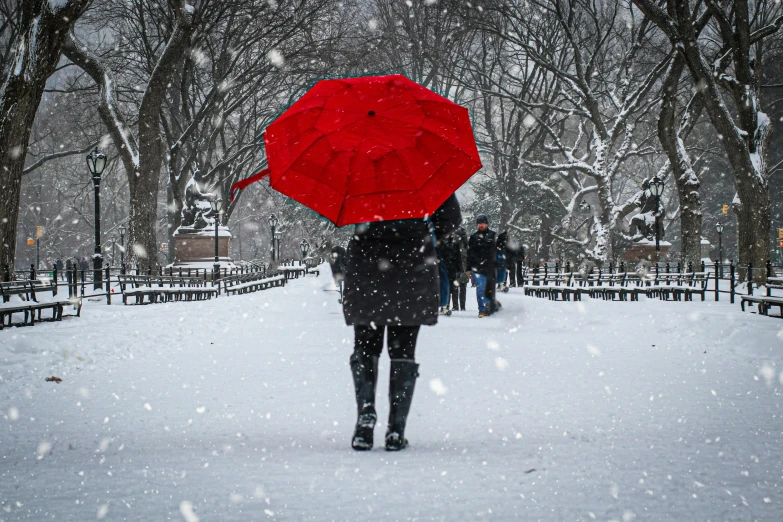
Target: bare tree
[
  {"x": 735, "y": 71},
  {"x": 38, "y": 39}
]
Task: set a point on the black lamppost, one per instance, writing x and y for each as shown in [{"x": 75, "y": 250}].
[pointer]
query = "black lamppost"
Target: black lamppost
[
  {"x": 656, "y": 189},
  {"x": 278, "y": 239},
  {"x": 122, "y": 245},
  {"x": 304, "y": 246},
  {"x": 273, "y": 221},
  {"x": 96, "y": 162},
  {"x": 217, "y": 208},
  {"x": 719, "y": 228}
]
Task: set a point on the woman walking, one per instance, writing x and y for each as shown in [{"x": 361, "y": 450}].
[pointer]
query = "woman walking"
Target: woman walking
[{"x": 392, "y": 285}]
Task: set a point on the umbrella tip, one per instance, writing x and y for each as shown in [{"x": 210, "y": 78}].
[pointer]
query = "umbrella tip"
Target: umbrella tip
[{"x": 371, "y": 113}]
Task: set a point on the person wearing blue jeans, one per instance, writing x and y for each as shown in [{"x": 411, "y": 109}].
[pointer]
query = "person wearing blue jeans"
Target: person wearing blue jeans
[
  {"x": 480, "y": 281},
  {"x": 482, "y": 254}
]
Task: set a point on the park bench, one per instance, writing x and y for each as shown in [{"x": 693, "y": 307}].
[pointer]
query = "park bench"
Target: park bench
[
  {"x": 678, "y": 286},
  {"x": 610, "y": 286},
  {"x": 32, "y": 302},
  {"x": 292, "y": 272},
  {"x": 664, "y": 285},
  {"x": 557, "y": 285},
  {"x": 763, "y": 303},
  {"x": 773, "y": 283},
  {"x": 251, "y": 282},
  {"x": 534, "y": 277},
  {"x": 164, "y": 288}
]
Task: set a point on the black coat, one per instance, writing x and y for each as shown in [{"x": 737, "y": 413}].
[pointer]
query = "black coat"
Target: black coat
[
  {"x": 391, "y": 274},
  {"x": 452, "y": 256},
  {"x": 337, "y": 261},
  {"x": 482, "y": 252}
]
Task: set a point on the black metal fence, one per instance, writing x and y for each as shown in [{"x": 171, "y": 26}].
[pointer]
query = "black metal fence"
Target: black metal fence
[
  {"x": 79, "y": 282},
  {"x": 722, "y": 278}
]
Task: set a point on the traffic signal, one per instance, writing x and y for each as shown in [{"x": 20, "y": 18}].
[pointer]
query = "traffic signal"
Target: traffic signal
[
  {"x": 725, "y": 210},
  {"x": 780, "y": 243}
]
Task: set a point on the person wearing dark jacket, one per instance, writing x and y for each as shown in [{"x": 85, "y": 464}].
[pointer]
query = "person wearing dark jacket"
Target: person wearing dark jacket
[
  {"x": 337, "y": 264},
  {"x": 452, "y": 257},
  {"x": 502, "y": 261},
  {"x": 515, "y": 253},
  {"x": 482, "y": 255},
  {"x": 392, "y": 285}
]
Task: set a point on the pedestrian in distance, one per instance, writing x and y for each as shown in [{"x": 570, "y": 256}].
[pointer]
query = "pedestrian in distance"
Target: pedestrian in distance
[
  {"x": 391, "y": 287},
  {"x": 515, "y": 255},
  {"x": 452, "y": 258},
  {"x": 444, "y": 285},
  {"x": 70, "y": 276},
  {"x": 337, "y": 263},
  {"x": 502, "y": 262},
  {"x": 482, "y": 257},
  {"x": 58, "y": 264}
]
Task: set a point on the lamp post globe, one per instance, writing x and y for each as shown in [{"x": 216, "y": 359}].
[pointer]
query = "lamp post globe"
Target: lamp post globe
[
  {"x": 96, "y": 162},
  {"x": 217, "y": 208},
  {"x": 273, "y": 221}
]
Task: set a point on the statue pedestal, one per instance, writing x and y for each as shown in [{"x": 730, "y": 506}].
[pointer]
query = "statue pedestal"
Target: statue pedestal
[
  {"x": 196, "y": 248},
  {"x": 645, "y": 249}
]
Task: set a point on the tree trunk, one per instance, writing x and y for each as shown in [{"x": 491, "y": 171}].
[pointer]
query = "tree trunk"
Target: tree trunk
[
  {"x": 143, "y": 162},
  {"x": 745, "y": 141},
  {"x": 685, "y": 179},
  {"x": 37, "y": 52}
]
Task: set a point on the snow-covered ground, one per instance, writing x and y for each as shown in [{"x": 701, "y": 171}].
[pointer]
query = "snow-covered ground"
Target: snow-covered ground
[{"x": 241, "y": 408}]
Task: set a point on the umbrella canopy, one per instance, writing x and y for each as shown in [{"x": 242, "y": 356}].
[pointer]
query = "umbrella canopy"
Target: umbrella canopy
[{"x": 370, "y": 149}]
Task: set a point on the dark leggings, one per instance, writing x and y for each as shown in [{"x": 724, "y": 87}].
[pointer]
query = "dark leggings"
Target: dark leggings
[
  {"x": 401, "y": 341},
  {"x": 458, "y": 295}
]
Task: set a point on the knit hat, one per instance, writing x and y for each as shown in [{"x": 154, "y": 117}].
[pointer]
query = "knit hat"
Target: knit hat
[{"x": 482, "y": 218}]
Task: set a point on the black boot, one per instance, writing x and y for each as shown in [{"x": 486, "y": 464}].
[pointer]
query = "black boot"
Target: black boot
[
  {"x": 365, "y": 375},
  {"x": 401, "y": 383}
]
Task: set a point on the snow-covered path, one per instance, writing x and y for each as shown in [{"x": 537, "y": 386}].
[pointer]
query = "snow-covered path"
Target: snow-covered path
[{"x": 241, "y": 408}]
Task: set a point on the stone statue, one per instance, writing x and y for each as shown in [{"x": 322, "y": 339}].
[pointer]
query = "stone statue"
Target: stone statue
[
  {"x": 644, "y": 221},
  {"x": 196, "y": 212}
]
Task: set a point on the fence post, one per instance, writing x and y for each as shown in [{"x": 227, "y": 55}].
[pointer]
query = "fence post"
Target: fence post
[
  {"x": 717, "y": 279},
  {"x": 6, "y": 274},
  {"x": 731, "y": 271},
  {"x": 769, "y": 274},
  {"x": 32, "y": 272},
  {"x": 73, "y": 284},
  {"x": 750, "y": 278},
  {"x": 108, "y": 284},
  {"x": 180, "y": 271},
  {"x": 54, "y": 273}
]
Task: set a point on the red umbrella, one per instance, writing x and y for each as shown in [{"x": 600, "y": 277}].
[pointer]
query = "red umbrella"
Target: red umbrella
[{"x": 369, "y": 149}]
